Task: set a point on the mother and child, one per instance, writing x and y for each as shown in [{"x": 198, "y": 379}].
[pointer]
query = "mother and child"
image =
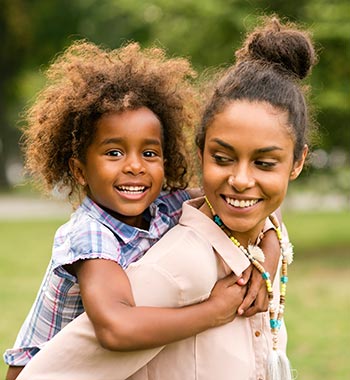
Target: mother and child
[{"x": 203, "y": 303}]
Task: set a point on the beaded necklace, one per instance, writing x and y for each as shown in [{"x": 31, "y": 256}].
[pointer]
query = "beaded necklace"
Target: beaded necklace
[{"x": 287, "y": 257}]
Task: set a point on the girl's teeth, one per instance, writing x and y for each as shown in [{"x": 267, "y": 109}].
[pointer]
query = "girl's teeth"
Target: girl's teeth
[{"x": 132, "y": 189}]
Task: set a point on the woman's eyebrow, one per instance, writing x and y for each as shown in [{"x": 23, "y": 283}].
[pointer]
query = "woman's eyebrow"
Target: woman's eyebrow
[{"x": 260, "y": 150}]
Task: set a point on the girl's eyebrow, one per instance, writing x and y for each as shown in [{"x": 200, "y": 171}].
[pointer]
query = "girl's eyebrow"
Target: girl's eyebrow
[
  {"x": 232, "y": 149},
  {"x": 118, "y": 140}
]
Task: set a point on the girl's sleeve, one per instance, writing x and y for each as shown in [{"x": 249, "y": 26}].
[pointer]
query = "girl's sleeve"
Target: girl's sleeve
[{"x": 88, "y": 240}]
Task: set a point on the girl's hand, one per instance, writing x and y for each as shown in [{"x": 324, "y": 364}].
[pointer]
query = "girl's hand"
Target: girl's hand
[{"x": 226, "y": 296}]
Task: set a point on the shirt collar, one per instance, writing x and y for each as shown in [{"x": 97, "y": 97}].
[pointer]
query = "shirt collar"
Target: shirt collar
[
  {"x": 195, "y": 219},
  {"x": 124, "y": 231}
]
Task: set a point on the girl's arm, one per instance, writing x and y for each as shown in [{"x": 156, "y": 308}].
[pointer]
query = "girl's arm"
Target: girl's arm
[
  {"x": 121, "y": 326},
  {"x": 13, "y": 372}
]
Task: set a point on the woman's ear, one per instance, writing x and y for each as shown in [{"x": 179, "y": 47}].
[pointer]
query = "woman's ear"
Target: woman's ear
[
  {"x": 77, "y": 170},
  {"x": 298, "y": 165}
]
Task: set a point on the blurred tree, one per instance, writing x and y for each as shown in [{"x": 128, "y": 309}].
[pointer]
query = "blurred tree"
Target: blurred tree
[
  {"x": 30, "y": 32},
  {"x": 207, "y": 31},
  {"x": 331, "y": 80}
]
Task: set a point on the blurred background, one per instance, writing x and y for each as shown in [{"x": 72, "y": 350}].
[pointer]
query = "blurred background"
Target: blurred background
[
  {"x": 207, "y": 31},
  {"x": 317, "y": 208}
]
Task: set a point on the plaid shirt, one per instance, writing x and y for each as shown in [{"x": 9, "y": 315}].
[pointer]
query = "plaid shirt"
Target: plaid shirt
[{"x": 90, "y": 233}]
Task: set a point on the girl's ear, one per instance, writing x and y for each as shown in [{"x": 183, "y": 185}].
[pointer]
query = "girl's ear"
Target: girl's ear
[
  {"x": 298, "y": 165},
  {"x": 77, "y": 169}
]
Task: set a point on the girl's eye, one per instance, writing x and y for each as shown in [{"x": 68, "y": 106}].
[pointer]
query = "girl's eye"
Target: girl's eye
[
  {"x": 150, "y": 154},
  {"x": 114, "y": 153},
  {"x": 265, "y": 164}
]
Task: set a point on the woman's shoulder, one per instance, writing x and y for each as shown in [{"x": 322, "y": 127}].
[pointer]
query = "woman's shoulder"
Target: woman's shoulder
[{"x": 182, "y": 262}]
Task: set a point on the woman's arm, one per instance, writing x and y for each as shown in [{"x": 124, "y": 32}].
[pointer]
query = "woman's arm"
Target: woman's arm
[{"x": 120, "y": 325}]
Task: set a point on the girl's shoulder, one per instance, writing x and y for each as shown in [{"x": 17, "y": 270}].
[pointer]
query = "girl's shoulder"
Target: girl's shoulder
[
  {"x": 174, "y": 196},
  {"x": 171, "y": 202}
]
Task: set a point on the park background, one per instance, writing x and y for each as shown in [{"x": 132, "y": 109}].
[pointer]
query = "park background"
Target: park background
[{"x": 317, "y": 208}]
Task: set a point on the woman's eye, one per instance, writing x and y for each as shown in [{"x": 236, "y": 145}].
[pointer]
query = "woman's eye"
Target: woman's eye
[
  {"x": 114, "y": 153},
  {"x": 265, "y": 164},
  {"x": 221, "y": 159}
]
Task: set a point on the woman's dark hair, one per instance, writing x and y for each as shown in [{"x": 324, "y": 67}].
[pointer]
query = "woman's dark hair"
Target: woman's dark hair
[{"x": 270, "y": 67}]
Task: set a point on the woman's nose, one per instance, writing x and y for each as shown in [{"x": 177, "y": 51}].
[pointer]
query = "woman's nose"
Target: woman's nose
[{"x": 241, "y": 178}]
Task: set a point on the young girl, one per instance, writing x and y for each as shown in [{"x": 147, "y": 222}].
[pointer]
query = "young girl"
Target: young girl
[
  {"x": 101, "y": 131},
  {"x": 252, "y": 142}
]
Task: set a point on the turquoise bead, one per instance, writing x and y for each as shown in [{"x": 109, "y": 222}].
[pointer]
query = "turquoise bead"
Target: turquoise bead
[
  {"x": 275, "y": 323},
  {"x": 217, "y": 220}
]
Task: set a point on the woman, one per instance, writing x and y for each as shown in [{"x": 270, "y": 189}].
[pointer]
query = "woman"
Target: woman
[{"x": 252, "y": 142}]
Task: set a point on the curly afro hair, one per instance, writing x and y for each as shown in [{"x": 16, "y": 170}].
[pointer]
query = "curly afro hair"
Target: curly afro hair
[{"x": 86, "y": 82}]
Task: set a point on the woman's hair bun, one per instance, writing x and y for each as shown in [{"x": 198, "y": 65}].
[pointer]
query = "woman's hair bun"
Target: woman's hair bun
[{"x": 282, "y": 44}]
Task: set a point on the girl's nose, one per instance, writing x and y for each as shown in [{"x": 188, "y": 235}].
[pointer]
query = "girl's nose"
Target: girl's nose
[{"x": 134, "y": 165}]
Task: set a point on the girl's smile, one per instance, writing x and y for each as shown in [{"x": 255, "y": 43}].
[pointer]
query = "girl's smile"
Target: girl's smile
[{"x": 247, "y": 164}]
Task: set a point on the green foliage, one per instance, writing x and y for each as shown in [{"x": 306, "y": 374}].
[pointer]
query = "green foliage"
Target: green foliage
[{"x": 206, "y": 31}]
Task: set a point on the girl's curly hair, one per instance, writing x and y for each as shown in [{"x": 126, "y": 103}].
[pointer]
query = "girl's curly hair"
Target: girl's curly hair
[{"x": 86, "y": 82}]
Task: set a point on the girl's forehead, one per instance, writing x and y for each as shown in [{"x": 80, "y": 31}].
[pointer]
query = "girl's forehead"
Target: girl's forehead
[{"x": 129, "y": 125}]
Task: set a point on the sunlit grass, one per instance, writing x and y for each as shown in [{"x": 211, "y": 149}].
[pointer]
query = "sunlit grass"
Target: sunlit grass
[{"x": 318, "y": 301}]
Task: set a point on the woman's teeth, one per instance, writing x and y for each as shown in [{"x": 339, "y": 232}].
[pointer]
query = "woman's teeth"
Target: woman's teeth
[{"x": 242, "y": 203}]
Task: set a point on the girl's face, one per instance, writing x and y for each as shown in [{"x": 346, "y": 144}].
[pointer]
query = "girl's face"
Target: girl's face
[
  {"x": 124, "y": 168},
  {"x": 247, "y": 164}
]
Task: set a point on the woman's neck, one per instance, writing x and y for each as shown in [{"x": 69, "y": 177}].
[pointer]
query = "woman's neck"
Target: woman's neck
[{"x": 245, "y": 237}]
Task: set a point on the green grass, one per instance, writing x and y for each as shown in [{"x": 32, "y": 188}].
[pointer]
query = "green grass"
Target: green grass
[
  {"x": 318, "y": 302},
  {"x": 310, "y": 231},
  {"x": 25, "y": 251}
]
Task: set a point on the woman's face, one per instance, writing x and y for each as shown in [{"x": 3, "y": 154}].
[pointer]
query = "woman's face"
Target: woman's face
[{"x": 247, "y": 163}]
